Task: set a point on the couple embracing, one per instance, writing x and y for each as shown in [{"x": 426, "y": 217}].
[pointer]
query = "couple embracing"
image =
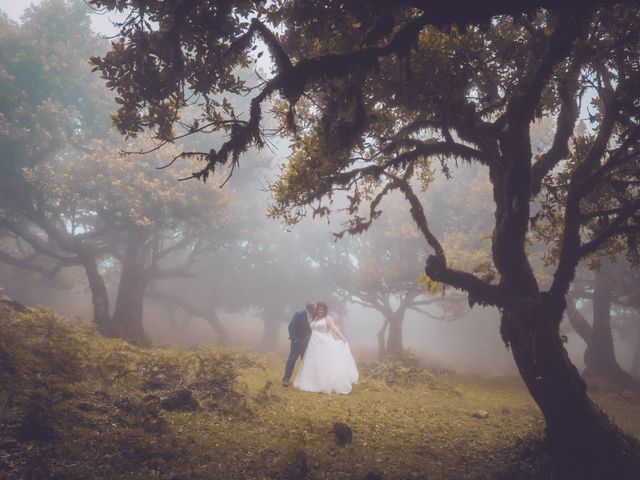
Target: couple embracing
[{"x": 327, "y": 364}]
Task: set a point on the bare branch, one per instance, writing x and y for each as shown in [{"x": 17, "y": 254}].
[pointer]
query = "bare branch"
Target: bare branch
[
  {"x": 526, "y": 99},
  {"x": 564, "y": 129},
  {"x": 436, "y": 265},
  {"x": 579, "y": 185}
]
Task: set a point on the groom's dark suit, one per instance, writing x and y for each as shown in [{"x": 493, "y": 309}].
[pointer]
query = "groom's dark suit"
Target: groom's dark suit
[{"x": 299, "y": 333}]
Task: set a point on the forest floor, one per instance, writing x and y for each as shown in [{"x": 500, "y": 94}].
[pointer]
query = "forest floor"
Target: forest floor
[{"x": 74, "y": 405}]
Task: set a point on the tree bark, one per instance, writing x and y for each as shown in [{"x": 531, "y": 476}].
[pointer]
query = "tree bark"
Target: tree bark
[
  {"x": 395, "y": 344},
  {"x": 600, "y": 357},
  {"x": 580, "y": 433},
  {"x": 574, "y": 423},
  {"x": 99, "y": 297},
  {"x": 128, "y": 312},
  {"x": 382, "y": 350}
]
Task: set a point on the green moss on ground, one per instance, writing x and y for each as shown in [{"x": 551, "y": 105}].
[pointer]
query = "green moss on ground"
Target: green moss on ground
[{"x": 74, "y": 405}]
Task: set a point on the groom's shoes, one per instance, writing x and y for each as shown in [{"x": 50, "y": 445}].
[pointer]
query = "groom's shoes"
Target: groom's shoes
[{"x": 285, "y": 383}]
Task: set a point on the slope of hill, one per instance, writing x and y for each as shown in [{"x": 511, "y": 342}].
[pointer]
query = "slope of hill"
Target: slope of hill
[{"x": 74, "y": 405}]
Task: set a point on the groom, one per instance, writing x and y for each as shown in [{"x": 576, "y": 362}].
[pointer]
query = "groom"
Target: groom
[{"x": 299, "y": 333}]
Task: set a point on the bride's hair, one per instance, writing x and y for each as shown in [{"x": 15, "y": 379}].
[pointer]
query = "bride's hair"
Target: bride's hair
[{"x": 320, "y": 305}]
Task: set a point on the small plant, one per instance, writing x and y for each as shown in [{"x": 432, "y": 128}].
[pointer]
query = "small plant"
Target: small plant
[
  {"x": 403, "y": 371},
  {"x": 215, "y": 384}
]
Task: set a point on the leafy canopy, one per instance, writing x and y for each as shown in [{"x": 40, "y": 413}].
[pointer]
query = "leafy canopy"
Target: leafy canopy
[
  {"x": 48, "y": 96},
  {"x": 377, "y": 92}
]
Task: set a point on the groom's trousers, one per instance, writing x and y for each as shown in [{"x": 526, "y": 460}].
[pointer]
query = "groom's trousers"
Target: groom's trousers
[{"x": 296, "y": 350}]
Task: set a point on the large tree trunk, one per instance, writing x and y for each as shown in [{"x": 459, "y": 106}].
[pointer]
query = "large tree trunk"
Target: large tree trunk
[
  {"x": 600, "y": 357},
  {"x": 395, "y": 345},
  {"x": 544, "y": 365},
  {"x": 382, "y": 349},
  {"x": 99, "y": 297},
  {"x": 128, "y": 312},
  {"x": 579, "y": 432}
]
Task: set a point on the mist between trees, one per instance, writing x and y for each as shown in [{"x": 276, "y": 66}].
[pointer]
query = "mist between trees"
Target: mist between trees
[
  {"x": 442, "y": 186},
  {"x": 231, "y": 268},
  {"x": 108, "y": 237}
]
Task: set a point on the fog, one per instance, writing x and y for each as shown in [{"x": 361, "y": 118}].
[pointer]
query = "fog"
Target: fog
[{"x": 252, "y": 272}]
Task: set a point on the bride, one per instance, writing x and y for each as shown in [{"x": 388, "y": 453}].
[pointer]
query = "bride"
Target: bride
[{"x": 327, "y": 365}]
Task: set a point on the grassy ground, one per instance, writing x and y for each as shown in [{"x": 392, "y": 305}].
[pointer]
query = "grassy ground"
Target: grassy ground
[{"x": 76, "y": 406}]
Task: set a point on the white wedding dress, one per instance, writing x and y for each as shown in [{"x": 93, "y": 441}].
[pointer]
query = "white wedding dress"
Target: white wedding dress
[{"x": 327, "y": 365}]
